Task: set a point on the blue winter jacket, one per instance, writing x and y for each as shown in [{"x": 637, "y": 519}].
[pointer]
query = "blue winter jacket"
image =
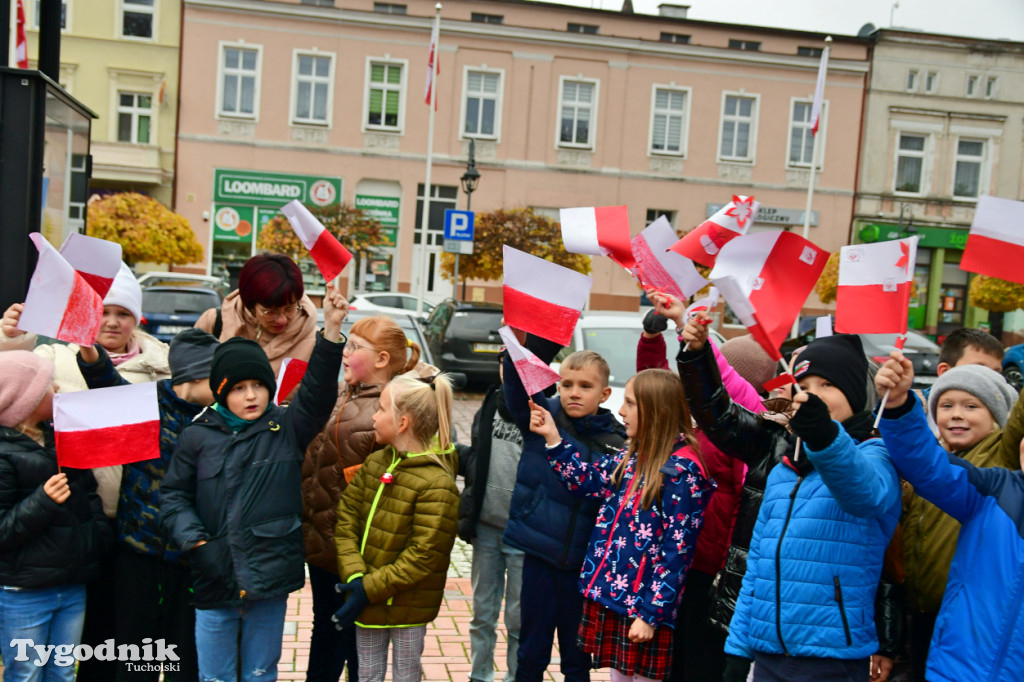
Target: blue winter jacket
[
  {"x": 979, "y": 634},
  {"x": 544, "y": 520},
  {"x": 816, "y": 554}
]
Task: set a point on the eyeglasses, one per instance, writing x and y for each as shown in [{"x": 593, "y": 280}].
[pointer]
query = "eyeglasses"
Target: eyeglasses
[
  {"x": 288, "y": 312},
  {"x": 352, "y": 347}
]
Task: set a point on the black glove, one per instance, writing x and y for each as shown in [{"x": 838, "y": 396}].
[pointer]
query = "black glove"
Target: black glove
[
  {"x": 655, "y": 323},
  {"x": 813, "y": 424},
  {"x": 737, "y": 668},
  {"x": 355, "y": 602}
]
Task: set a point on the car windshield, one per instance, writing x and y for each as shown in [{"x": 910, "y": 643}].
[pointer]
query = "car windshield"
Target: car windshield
[
  {"x": 917, "y": 342},
  {"x": 617, "y": 347},
  {"x": 172, "y": 302},
  {"x": 474, "y": 323}
]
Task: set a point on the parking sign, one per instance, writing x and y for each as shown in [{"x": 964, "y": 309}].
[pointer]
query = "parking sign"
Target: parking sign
[{"x": 458, "y": 231}]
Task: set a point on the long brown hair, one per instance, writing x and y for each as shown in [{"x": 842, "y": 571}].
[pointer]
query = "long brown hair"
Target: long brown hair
[
  {"x": 384, "y": 334},
  {"x": 662, "y": 416}
]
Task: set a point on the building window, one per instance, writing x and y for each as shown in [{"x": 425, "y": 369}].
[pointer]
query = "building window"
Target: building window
[
  {"x": 483, "y": 96},
  {"x": 137, "y": 18},
  {"x": 312, "y": 88},
  {"x": 134, "y": 114},
  {"x": 970, "y": 155},
  {"x": 802, "y": 51},
  {"x": 655, "y": 213},
  {"x": 991, "y": 84},
  {"x": 239, "y": 82},
  {"x": 931, "y": 82},
  {"x": 677, "y": 38},
  {"x": 63, "y": 14},
  {"x": 385, "y": 95},
  {"x": 972, "y": 86},
  {"x": 576, "y": 113},
  {"x": 737, "y": 128},
  {"x": 481, "y": 18},
  {"x": 442, "y": 197},
  {"x": 801, "y": 138},
  {"x": 910, "y": 163},
  {"x": 912, "y": 78},
  {"x": 589, "y": 29},
  {"x": 389, "y": 8},
  {"x": 751, "y": 45},
  {"x": 668, "y": 121},
  {"x": 319, "y": 3}
]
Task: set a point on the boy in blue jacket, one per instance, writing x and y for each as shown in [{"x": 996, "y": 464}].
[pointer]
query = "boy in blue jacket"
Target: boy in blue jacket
[
  {"x": 550, "y": 526},
  {"x": 979, "y": 632}
]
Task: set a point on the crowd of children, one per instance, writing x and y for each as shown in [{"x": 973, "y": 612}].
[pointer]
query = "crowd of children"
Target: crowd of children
[{"x": 798, "y": 528}]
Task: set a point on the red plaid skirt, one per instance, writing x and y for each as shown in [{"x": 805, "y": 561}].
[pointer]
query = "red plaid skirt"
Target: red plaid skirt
[{"x": 604, "y": 635}]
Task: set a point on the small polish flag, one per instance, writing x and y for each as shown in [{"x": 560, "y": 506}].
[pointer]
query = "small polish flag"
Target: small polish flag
[
  {"x": 873, "y": 290},
  {"x": 328, "y": 253},
  {"x": 600, "y": 231},
  {"x": 288, "y": 377},
  {"x": 819, "y": 91},
  {"x": 60, "y": 303},
  {"x": 107, "y": 426},
  {"x": 535, "y": 375},
  {"x": 541, "y": 297},
  {"x": 660, "y": 268},
  {"x": 96, "y": 260},
  {"x": 20, "y": 44},
  {"x": 703, "y": 243},
  {"x": 995, "y": 244},
  {"x": 775, "y": 272},
  {"x": 736, "y": 297},
  {"x": 433, "y": 67},
  {"x": 703, "y": 304}
]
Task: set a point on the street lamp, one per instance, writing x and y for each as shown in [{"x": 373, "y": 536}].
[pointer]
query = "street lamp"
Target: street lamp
[{"x": 470, "y": 179}]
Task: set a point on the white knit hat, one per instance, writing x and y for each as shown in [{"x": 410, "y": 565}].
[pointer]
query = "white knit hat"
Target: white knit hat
[
  {"x": 983, "y": 383},
  {"x": 126, "y": 292}
]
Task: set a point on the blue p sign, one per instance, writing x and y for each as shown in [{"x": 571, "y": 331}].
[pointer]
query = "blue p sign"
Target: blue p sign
[{"x": 458, "y": 225}]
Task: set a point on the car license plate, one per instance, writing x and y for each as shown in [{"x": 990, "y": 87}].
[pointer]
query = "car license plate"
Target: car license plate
[
  {"x": 171, "y": 328},
  {"x": 927, "y": 379},
  {"x": 487, "y": 347}
]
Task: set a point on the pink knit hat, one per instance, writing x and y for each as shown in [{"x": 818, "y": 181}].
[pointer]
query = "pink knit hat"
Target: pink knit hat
[{"x": 24, "y": 380}]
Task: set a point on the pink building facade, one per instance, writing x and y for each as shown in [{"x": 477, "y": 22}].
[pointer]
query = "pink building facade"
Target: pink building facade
[{"x": 567, "y": 106}]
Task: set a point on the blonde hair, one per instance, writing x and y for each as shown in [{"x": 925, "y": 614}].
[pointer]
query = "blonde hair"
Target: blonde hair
[
  {"x": 428, "y": 404},
  {"x": 384, "y": 334},
  {"x": 582, "y": 359},
  {"x": 662, "y": 416}
]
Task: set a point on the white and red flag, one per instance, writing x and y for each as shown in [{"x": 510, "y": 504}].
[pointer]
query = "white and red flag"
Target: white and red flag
[
  {"x": 819, "y": 92},
  {"x": 60, "y": 303},
  {"x": 703, "y": 243},
  {"x": 773, "y": 272},
  {"x": 541, "y": 297},
  {"x": 874, "y": 287},
  {"x": 96, "y": 260},
  {"x": 327, "y": 252},
  {"x": 288, "y": 377},
  {"x": 432, "y": 68},
  {"x": 533, "y": 372},
  {"x": 995, "y": 244},
  {"x": 703, "y": 305},
  {"x": 598, "y": 231},
  {"x": 107, "y": 426},
  {"x": 661, "y": 269},
  {"x": 20, "y": 44}
]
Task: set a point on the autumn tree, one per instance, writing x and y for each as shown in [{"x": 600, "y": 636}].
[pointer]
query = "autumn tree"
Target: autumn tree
[
  {"x": 996, "y": 296},
  {"x": 353, "y": 228},
  {"x": 828, "y": 281},
  {"x": 147, "y": 230},
  {"x": 521, "y": 229}
]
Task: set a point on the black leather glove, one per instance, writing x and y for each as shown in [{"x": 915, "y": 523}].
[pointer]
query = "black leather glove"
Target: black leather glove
[
  {"x": 813, "y": 424},
  {"x": 355, "y": 602},
  {"x": 737, "y": 668},
  {"x": 655, "y": 323}
]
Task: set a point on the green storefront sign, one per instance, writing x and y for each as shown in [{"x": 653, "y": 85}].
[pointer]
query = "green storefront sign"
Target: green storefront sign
[
  {"x": 930, "y": 237},
  {"x": 384, "y": 210},
  {"x": 259, "y": 188}
]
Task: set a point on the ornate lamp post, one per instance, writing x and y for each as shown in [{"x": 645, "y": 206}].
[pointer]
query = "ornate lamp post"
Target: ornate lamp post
[{"x": 470, "y": 179}]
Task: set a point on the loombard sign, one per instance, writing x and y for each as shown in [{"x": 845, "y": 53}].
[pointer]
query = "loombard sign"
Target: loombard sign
[{"x": 273, "y": 189}]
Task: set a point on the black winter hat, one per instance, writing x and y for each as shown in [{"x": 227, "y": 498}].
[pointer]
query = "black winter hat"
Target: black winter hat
[
  {"x": 236, "y": 360},
  {"x": 839, "y": 359},
  {"x": 190, "y": 355}
]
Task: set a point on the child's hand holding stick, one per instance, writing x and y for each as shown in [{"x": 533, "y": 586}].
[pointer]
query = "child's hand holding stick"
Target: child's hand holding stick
[
  {"x": 543, "y": 424},
  {"x": 335, "y": 311},
  {"x": 894, "y": 380},
  {"x": 57, "y": 488}
]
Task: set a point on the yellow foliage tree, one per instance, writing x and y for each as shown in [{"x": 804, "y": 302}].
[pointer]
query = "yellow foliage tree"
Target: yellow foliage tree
[
  {"x": 996, "y": 296},
  {"x": 828, "y": 282},
  {"x": 147, "y": 230},
  {"x": 348, "y": 224}
]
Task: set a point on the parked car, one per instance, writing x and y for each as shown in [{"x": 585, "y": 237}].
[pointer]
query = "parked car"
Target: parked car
[
  {"x": 1013, "y": 366},
  {"x": 184, "y": 279},
  {"x": 463, "y": 337},
  {"x": 390, "y": 302},
  {"x": 167, "y": 310}
]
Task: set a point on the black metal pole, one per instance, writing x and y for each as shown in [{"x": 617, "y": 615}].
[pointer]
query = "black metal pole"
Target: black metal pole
[
  {"x": 49, "y": 39},
  {"x": 5, "y": 32}
]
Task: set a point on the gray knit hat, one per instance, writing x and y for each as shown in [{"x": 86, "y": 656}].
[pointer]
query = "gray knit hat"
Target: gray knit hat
[{"x": 985, "y": 384}]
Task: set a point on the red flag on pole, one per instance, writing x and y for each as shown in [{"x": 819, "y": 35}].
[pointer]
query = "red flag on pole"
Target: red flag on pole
[
  {"x": 995, "y": 244},
  {"x": 433, "y": 68},
  {"x": 107, "y": 426},
  {"x": 20, "y": 44},
  {"x": 874, "y": 287},
  {"x": 819, "y": 92},
  {"x": 702, "y": 243}
]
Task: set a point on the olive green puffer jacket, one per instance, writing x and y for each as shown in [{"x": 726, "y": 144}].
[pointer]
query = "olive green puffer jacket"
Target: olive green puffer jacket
[{"x": 399, "y": 535}]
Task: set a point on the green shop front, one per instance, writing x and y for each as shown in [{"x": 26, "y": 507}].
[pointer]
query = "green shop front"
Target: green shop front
[{"x": 940, "y": 305}]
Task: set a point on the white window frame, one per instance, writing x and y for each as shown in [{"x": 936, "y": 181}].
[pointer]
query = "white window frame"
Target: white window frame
[
  {"x": 402, "y": 95},
  {"x": 933, "y": 77},
  {"x": 141, "y": 9},
  {"x": 235, "y": 115},
  {"x": 135, "y": 110},
  {"x": 592, "y": 130},
  {"x": 915, "y": 76},
  {"x": 925, "y": 156},
  {"x": 329, "y": 79},
  {"x": 37, "y": 6},
  {"x": 684, "y": 132},
  {"x": 819, "y": 145},
  {"x": 755, "y": 115},
  {"x": 974, "y": 91},
  {"x": 984, "y": 163},
  {"x": 991, "y": 92},
  {"x": 498, "y": 103}
]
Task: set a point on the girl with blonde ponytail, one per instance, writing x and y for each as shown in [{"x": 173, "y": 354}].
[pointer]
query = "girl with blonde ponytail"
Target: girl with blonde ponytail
[{"x": 396, "y": 525}]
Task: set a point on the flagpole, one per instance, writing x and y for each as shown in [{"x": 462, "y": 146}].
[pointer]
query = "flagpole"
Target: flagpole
[{"x": 425, "y": 219}]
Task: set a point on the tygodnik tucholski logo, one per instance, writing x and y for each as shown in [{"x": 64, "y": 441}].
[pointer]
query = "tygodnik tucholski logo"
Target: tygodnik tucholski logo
[{"x": 151, "y": 655}]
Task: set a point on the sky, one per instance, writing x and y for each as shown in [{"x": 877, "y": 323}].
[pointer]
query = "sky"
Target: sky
[{"x": 974, "y": 18}]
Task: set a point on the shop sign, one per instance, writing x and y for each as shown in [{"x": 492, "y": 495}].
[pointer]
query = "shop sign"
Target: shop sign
[
  {"x": 769, "y": 215},
  {"x": 273, "y": 189},
  {"x": 384, "y": 210},
  {"x": 233, "y": 223},
  {"x": 930, "y": 237}
]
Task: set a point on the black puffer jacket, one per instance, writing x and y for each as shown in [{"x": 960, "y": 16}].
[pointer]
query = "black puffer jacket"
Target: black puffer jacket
[
  {"x": 242, "y": 492},
  {"x": 729, "y": 426},
  {"x": 42, "y": 543}
]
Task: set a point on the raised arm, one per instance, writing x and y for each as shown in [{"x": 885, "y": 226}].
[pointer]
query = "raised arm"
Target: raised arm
[
  {"x": 580, "y": 478},
  {"x": 99, "y": 372}
]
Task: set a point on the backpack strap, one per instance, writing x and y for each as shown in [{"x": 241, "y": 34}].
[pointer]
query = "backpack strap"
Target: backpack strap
[
  {"x": 218, "y": 325},
  {"x": 686, "y": 452}
]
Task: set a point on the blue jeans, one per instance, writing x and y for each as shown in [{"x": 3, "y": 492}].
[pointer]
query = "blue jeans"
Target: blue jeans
[
  {"x": 261, "y": 624},
  {"x": 497, "y": 569},
  {"x": 550, "y": 602},
  {"x": 51, "y": 615}
]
